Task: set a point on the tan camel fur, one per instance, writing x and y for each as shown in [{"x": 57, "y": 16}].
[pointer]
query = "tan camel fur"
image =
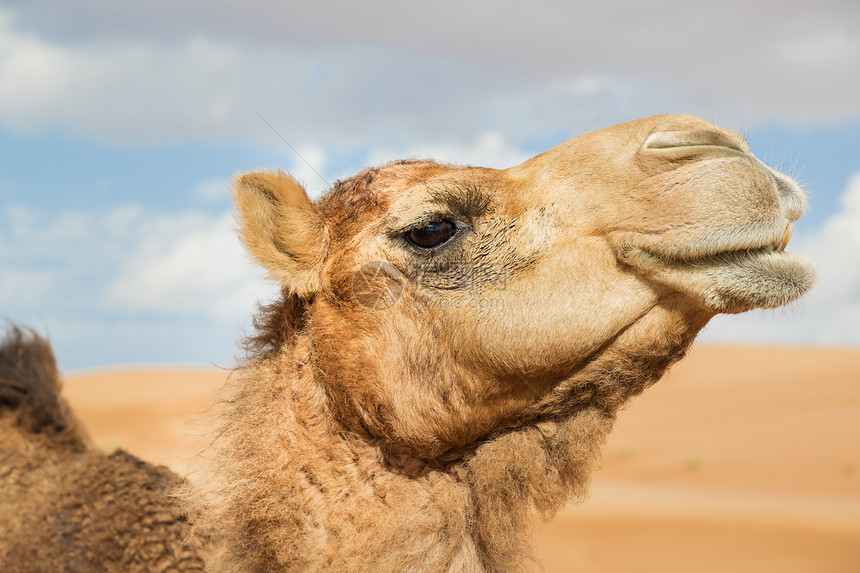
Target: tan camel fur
[{"x": 452, "y": 344}]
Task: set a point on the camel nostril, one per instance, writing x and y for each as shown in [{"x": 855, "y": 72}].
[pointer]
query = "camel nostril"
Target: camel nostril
[
  {"x": 666, "y": 140},
  {"x": 791, "y": 195}
]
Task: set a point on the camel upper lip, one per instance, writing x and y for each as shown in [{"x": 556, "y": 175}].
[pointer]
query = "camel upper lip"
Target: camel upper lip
[
  {"x": 714, "y": 254},
  {"x": 777, "y": 246}
]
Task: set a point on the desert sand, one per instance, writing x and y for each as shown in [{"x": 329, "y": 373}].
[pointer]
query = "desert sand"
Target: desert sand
[{"x": 740, "y": 459}]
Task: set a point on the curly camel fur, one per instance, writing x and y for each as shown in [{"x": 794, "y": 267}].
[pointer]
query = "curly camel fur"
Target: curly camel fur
[
  {"x": 452, "y": 344},
  {"x": 65, "y": 506}
]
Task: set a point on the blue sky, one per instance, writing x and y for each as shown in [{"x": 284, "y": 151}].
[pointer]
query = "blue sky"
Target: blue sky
[{"x": 122, "y": 124}]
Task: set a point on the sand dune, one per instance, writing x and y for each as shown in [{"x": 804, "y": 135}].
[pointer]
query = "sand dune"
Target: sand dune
[{"x": 741, "y": 459}]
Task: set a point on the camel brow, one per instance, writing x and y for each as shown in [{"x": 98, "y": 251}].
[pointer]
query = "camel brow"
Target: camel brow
[{"x": 468, "y": 199}]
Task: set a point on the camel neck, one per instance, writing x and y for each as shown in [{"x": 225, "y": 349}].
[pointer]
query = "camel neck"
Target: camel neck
[
  {"x": 295, "y": 490},
  {"x": 292, "y": 492}
]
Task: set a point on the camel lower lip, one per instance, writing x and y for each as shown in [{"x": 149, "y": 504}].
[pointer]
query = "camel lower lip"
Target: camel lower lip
[{"x": 762, "y": 278}]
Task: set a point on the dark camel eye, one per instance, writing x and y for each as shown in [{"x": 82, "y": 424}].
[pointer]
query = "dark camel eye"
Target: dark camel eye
[{"x": 432, "y": 235}]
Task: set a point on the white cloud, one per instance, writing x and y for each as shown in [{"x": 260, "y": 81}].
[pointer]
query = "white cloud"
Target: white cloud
[
  {"x": 121, "y": 91},
  {"x": 830, "y": 314},
  {"x": 128, "y": 285},
  {"x": 127, "y": 262},
  {"x": 835, "y": 302},
  {"x": 185, "y": 265},
  {"x": 212, "y": 191},
  {"x": 829, "y": 51},
  {"x": 346, "y": 78}
]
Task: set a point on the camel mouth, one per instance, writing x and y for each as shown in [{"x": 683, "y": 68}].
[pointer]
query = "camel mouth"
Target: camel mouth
[{"x": 732, "y": 280}]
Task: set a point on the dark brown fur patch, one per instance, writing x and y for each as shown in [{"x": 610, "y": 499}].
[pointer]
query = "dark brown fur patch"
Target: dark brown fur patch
[{"x": 30, "y": 383}]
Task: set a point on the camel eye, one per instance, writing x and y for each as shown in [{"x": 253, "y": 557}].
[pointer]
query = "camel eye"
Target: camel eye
[{"x": 431, "y": 235}]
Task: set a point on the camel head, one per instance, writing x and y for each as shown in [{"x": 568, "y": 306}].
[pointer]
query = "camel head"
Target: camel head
[{"x": 438, "y": 304}]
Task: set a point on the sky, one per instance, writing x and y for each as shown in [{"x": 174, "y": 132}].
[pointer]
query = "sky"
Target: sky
[{"x": 121, "y": 125}]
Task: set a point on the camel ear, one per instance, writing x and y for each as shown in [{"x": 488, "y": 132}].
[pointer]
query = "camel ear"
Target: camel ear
[{"x": 282, "y": 229}]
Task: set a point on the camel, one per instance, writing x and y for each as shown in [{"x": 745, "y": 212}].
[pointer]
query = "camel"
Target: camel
[{"x": 452, "y": 344}]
